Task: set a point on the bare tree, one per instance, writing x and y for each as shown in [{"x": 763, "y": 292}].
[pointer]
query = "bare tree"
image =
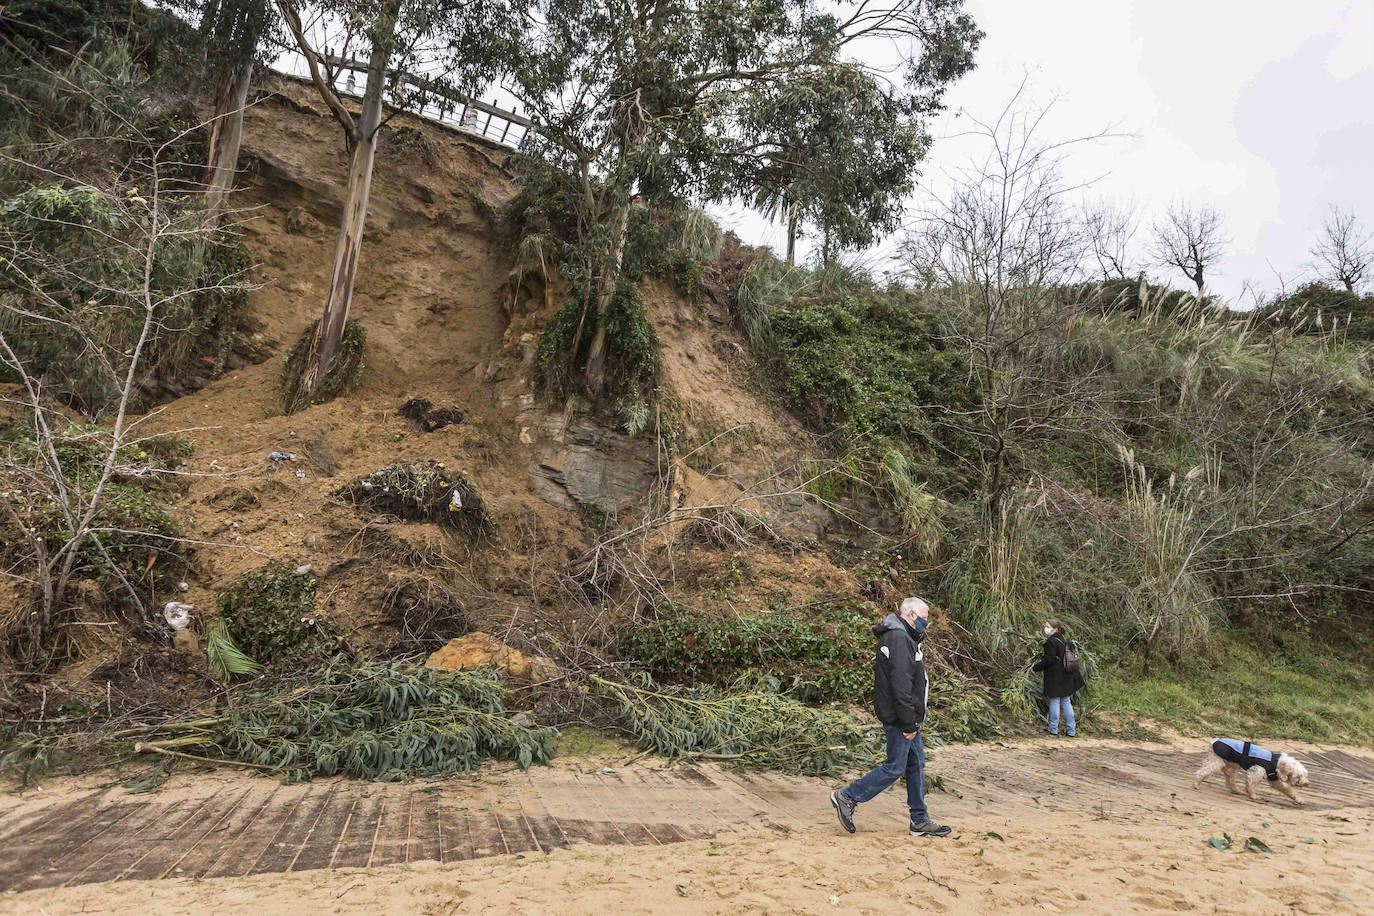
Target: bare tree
[
  {"x": 1108, "y": 229},
  {"x": 1190, "y": 240},
  {"x": 1004, "y": 246},
  {"x": 1344, "y": 249},
  {"x": 110, "y": 279}
]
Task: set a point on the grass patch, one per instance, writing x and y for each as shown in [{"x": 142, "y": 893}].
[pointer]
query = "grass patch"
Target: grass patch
[
  {"x": 579, "y": 741},
  {"x": 1245, "y": 691}
]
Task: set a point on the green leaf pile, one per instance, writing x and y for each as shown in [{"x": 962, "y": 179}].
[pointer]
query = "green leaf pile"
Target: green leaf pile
[
  {"x": 384, "y": 721},
  {"x": 756, "y": 729}
]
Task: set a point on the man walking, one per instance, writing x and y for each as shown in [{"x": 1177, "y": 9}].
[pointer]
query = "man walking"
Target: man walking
[{"x": 900, "y": 691}]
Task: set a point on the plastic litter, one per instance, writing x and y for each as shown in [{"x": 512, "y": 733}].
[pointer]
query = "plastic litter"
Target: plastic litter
[
  {"x": 280, "y": 456},
  {"x": 305, "y": 570},
  {"x": 177, "y": 614}
]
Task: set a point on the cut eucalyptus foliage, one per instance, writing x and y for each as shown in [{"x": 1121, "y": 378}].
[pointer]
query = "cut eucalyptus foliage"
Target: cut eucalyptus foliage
[
  {"x": 225, "y": 657},
  {"x": 759, "y": 730},
  {"x": 384, "y": 721}
]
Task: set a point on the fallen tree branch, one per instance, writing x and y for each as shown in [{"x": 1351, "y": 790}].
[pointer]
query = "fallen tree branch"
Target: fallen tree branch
[
  {"x": 142, "y": 747},
  {"x": 931, "y": 877}
]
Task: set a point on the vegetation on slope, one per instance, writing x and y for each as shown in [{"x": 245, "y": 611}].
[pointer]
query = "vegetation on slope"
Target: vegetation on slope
[
  {"x": 1187, "y": 488},
  {"x": 1170, "y": 480}
]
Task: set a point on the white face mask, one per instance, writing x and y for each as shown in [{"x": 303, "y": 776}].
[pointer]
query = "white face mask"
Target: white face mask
[{"x": 1049, "y": 632}]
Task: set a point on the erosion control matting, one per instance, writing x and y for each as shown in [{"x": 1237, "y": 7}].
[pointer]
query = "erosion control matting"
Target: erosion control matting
[{"x": 222, "y": 825}]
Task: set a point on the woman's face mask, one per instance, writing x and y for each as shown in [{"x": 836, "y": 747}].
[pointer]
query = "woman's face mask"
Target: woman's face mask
[{"x": 1049, "y": 632}]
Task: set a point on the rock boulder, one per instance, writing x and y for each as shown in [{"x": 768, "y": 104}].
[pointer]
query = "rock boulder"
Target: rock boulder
[{"x": 478, "y": 650}]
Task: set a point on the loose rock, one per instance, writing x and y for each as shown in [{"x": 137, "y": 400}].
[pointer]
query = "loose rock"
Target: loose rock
[{"x": 478, "y": 650}]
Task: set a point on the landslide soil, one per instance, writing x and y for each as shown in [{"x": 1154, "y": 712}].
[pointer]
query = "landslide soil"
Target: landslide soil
[{"x": 448, "y": 320}]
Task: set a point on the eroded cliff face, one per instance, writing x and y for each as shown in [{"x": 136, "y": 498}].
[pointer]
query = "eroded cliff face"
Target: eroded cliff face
[{"x": 448, "y": 320}]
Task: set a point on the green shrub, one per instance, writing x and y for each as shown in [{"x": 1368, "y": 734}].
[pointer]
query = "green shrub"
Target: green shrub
[
  {"x": 871, "y": 367},
  {"x": 1318, "y": 307},
  {"x": 1125, "y": 296},
  {"x": 553, "y": 233},
  {"x": 76, "y": 293},
  {"x": 39, "y": 26},
  {"x": 962, "y": 710},
  {"x": 342, "y": 372},
  {"x": 671, "y": 247},
  {"x": 1023, "y": 692},
  {"x": 134, "y": 541},
  {"x": 631, "y": 348},
  {"x": 270, "y": 615}
]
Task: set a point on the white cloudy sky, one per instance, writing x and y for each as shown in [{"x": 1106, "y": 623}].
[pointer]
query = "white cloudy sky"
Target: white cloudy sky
[{"x": 1262, "y": 109}]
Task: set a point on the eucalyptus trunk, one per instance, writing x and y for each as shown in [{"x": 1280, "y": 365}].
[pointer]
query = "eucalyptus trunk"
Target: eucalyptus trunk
[
  {"x": 329, "y": 332},
  {"x": 226, "y": 136},
  {"x": 605, "y": 294},
  {"x": 791, "y": 234}
]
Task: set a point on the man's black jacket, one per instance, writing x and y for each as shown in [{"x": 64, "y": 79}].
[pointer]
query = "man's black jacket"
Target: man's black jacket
[{"x": 900, "y": 686}]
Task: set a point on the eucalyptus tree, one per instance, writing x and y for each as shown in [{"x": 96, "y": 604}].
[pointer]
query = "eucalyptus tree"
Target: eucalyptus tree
[
  {"x": 455, "y": 47},
  {"x": 234, "y": 37},
  {"x": 676, "y": 100},
  {"x": 833, "y": 147}
]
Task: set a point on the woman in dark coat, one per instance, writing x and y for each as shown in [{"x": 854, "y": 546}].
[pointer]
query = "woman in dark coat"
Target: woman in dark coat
[{"x": 1060, "y": 685}]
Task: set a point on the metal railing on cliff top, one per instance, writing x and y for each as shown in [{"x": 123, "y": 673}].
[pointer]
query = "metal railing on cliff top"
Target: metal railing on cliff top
[{"x": 432, "y": 103}]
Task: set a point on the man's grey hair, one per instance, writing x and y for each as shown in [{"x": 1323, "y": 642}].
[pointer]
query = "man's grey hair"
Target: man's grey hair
[{"x": 911, "y": 605}]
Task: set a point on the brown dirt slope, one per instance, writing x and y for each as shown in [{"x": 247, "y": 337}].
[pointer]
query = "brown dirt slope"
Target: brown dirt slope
[{"x": 444, "y": 322}]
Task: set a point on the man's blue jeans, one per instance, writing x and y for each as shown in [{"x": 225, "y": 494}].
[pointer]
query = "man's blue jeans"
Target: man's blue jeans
[
  {"x": 904, "y": 756},
  {"x": 1068, "y": 715}
]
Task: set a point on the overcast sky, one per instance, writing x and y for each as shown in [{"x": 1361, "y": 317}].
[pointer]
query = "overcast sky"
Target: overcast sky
[{"x": 1262, "y": 109}]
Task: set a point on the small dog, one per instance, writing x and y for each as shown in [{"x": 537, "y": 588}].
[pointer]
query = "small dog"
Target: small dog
[{"x": 1242, "y": 760}]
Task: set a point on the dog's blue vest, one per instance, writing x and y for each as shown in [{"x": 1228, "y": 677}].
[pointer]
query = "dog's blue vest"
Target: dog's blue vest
[{"x": 1247, "y": 755}]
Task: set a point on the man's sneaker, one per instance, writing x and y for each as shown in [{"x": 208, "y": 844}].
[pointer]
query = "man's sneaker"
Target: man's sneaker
[
  {"x": 844, "y": 809},
  {"x": 928, "y": 828}
]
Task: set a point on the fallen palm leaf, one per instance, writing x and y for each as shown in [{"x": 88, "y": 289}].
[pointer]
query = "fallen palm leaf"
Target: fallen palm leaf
[{"x": 225, "y": 657}]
